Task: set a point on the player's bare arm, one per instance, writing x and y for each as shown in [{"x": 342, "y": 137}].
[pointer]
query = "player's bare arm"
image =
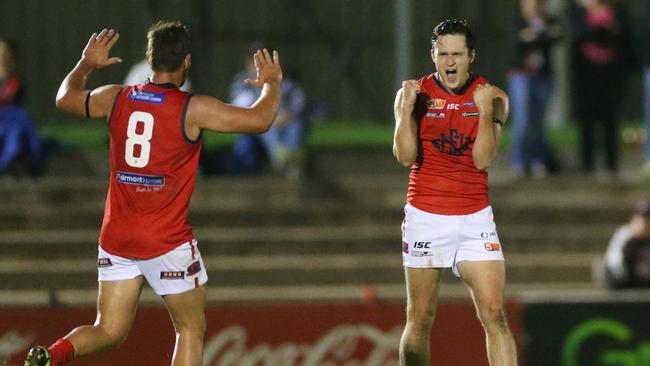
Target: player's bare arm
[
  {"x": 492, "y": 104},
  {"x": 208, "y": 112},
  {"x": 405, "y": 139},
  {"x": 72, "y": 93}
]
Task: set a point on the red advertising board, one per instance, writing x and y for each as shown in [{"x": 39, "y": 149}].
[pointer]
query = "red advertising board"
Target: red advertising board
[{"x": 278, "y": 335}]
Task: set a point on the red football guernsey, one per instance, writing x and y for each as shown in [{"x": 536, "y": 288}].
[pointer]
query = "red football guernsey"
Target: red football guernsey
[
  {"x": 443, "y": 180},
  {"x": 153, "y": 169}
]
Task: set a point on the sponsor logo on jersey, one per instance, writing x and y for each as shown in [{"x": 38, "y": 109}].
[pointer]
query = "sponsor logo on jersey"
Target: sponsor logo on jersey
[
  {"x": 436, "y": 103},
  {"x": 453, "y": 106},
  {"x": 468, "y": 104},
  {"x": 140, "y": 179},
  {"x": 484, "y": 235},
  {"x": 405, "y": 247},
  {"x": 492, "y": 247},
  {"x": 436, "y": 115},
  {"x": 146, "y": 96},
  {"x": 470, "y": 114},
  {"x": 172, "y": 275},
  {"x": 194, "y": 268},
  {"x": 104, "y": 262}
]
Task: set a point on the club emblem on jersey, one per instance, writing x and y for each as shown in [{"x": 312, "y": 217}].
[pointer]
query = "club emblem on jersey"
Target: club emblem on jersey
[
  {"x": 436, "y": 103},
  {"x": 405, "y": 247},
  {"x": 453, "y": 144},
  {"x": 492, "y": 247}
]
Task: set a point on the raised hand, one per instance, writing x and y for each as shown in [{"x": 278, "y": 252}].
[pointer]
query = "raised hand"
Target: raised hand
[
  {"x": 410, "y": 90},
  {"x": 268, "y": 68},
  {"x": 483, "y": 96},
  {"x": 98, "y": 48}
]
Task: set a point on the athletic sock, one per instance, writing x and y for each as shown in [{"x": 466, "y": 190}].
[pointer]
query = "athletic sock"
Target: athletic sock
[{"x": 61, "y": 351}]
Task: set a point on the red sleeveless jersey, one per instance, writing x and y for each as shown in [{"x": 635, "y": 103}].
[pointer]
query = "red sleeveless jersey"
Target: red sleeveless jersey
[
  {"x": 443, "y": 180},
  {"x": 153, "y": 169}
]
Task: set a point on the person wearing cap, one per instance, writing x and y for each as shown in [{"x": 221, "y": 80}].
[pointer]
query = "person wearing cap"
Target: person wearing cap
[{"x": 627, "y": 259}]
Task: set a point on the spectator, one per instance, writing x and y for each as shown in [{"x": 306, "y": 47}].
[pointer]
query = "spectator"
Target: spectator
[
  {"x": 140, "y": 73},
  {"x": 529, "y": 88},
  {"x": 627, "y": 260},
  {"x": 18, "y": 136},
  {"x": 602, "y": 57},
  {"x": 282, "y": 144}
]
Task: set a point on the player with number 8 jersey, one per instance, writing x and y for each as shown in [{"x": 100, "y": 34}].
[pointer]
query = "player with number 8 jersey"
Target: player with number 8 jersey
[
  {"x": 153, "y": 169},
  {"x": 155, "y": 133}
]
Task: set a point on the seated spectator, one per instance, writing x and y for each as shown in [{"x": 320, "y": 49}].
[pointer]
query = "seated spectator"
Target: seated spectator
[
  {"x": 627, "y": 260},
  {"x": 282, "y": 144},
  {"x": 18, "y": 136}
]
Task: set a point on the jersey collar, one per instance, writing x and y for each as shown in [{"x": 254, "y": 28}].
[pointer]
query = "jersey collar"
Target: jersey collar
[
  {"x": 460, "y": 91},
  {"x": 163, "y": 85}
]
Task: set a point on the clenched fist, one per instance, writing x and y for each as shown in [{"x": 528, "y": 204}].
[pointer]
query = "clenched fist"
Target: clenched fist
[
  {"x": 410, "y": 90},
  {"x": 483, "y": 96}
]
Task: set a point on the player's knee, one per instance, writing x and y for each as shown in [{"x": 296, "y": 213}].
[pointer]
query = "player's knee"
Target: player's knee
[
  {"x": 116, "y": 339},
  {"x": 191, "y": 326},
  {"x": 115, "y": 334},
  {"x": 420, "y": 319},
  {"x": 493, "y": 316}
]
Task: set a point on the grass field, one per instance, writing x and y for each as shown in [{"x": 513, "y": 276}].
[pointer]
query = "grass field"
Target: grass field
[{"x": 91, "y": 135}]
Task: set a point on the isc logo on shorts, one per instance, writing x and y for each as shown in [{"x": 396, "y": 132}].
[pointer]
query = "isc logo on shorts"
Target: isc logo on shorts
[
  {"x": 422, "y": 245},
  {"x": 172, "y": 275},
  {"x": 492, "y": 247}
]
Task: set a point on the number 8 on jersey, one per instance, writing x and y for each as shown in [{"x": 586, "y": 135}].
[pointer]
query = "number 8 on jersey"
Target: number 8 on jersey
[{"x": 138, "y": 139}]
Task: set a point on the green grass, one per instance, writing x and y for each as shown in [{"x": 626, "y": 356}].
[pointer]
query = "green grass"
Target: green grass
[{"x": 93, "y": 135}]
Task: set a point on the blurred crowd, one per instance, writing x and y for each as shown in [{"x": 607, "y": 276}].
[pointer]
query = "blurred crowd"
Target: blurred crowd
[
  {"x": 605, "y": 48},
  {"x": 603, "y": 54}
]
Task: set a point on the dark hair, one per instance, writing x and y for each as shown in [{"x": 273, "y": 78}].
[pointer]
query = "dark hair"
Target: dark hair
[
  {"x": 168, "y": 42},
  {"x": 454, "y": 26}
]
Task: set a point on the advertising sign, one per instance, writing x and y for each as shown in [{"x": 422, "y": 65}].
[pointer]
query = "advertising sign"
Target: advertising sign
[
  {"x": 265, "y": 335},
  {"x": 587, "y": 334}
]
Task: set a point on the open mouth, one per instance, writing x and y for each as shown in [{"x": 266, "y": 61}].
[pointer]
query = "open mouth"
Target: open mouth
[{"x": 451, "y": 75}]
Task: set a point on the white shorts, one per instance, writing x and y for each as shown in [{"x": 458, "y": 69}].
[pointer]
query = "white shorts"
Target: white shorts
[
  {"x": 174, "y": 272},
  {"x": 442, "y": 241}
]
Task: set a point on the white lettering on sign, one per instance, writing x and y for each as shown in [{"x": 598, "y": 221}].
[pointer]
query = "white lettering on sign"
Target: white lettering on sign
[{"x": 345, "y": 345}]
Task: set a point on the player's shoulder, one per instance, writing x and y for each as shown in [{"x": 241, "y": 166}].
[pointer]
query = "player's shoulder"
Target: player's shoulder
[
  {"x": 479, "y": 79},
  {"x": 476, "y": 80},
  {"x": 427, "y": 79}
]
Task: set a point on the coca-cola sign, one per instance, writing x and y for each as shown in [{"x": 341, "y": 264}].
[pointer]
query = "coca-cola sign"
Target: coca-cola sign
[
  {"x": 263, "y": 335},
  {"x": 345, "y": 345}
]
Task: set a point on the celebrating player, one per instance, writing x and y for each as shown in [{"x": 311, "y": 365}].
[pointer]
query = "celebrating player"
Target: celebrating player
[
  {"x": 155, "y": 132},
  {"x": 447, "y": 130}
]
